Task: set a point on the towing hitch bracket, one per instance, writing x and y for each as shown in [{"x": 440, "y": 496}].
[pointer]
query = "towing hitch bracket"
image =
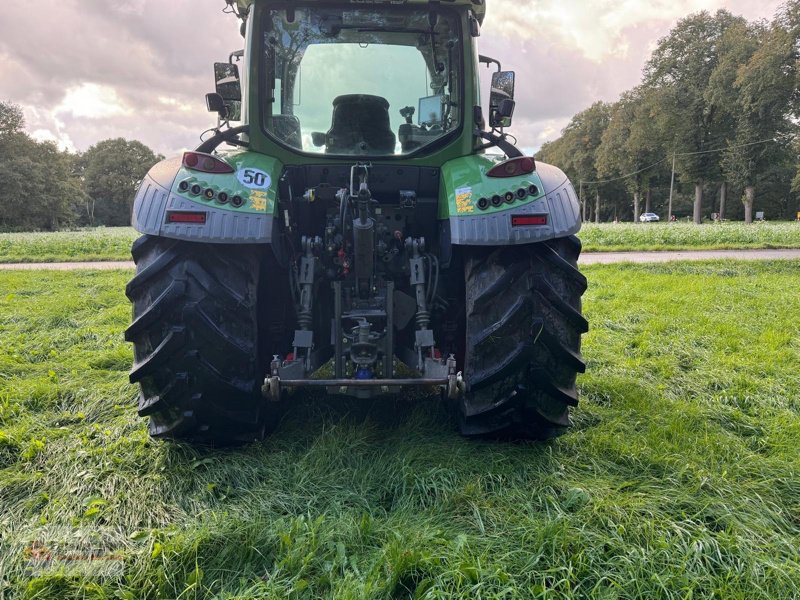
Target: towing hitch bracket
[{"x": 453, "y": 385}]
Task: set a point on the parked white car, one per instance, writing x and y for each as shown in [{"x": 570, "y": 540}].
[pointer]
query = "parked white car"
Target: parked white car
[{"x": 648, "y": 217}]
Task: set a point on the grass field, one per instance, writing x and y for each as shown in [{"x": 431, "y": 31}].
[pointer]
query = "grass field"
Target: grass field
[
  {"x": 114, "y": 244},
  {"x": 680, "y": 479},
  {"x": 618, "y": 237},
  {"x": 100, "y": 244}
]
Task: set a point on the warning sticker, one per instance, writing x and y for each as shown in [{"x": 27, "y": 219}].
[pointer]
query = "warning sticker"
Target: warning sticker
[
  {"x": 258, "y": 200},
  {"x": 464, "y": 200}
]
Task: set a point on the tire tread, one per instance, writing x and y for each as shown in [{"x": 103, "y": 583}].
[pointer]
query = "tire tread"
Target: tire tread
[
  {"x": 196, "y": 340},
  {"x": 523, "y": 332}
]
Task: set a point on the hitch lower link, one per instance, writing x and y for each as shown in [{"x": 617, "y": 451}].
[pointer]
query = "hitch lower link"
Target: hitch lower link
[{"x": 453, "y": 386}]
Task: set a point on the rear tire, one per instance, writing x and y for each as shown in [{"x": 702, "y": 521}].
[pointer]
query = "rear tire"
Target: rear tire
[
  {"x": 196, "y": 341},
  {"x": 523, "y": 339}
]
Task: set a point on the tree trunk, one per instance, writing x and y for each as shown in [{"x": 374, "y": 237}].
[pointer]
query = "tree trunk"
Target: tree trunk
[
  {"x": 90, "y": 204},
  {"x": 698, "y": 202},
  {"x": 587, "y": 210},
  {"x": 648, "y": 201},
  {"x": 749, "y": 198},
  {"x": 723, "y": 196},
  {"x": 597, "y": 207},
  {"x": 636, "y": 197}
]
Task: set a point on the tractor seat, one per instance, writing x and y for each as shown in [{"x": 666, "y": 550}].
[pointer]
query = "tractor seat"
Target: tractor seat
[{"x": 360, "y": 126}]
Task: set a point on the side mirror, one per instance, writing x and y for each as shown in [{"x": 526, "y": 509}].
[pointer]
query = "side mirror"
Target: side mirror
[
  {"x": 229, "y": 89},
  {"x": 318, "y": 138},
  {"x": 501, "y": 102},
  {"x": 226, "y": 76}
]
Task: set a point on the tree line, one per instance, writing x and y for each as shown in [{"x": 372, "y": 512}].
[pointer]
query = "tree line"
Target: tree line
[
  {"x": 720, "y": 100},
  {"x": 45, "y": 189}
]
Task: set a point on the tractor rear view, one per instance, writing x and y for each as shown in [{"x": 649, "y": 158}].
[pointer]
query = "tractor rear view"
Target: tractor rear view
[{"x": 366, "y": 227}]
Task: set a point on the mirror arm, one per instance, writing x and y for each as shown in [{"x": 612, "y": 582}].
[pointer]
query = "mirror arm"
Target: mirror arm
[
  {"x": 501, "y": 141},
  {"x": 489, "y": 61}
]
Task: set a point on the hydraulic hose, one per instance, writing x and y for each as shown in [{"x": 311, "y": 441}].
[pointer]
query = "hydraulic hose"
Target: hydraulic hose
[
  {"x": 501, "y": 142},
  {"x": 221, "y": 137}
]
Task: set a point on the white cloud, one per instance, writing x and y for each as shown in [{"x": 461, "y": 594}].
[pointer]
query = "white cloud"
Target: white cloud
[
  {"x": 60, "y": 139},
  {"x": 93, "y": 101},
  {"x": 176, "y": 104},
  {"x": 599, "y": 28}
]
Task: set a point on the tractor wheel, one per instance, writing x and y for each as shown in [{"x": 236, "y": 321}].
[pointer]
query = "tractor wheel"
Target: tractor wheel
[
  {"x": 196, "y": 340},
  {"x": 523, "y": 339}
]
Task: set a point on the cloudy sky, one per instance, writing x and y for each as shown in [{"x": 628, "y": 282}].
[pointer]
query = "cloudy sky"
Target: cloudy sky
[{"x": 87, "y": 70}]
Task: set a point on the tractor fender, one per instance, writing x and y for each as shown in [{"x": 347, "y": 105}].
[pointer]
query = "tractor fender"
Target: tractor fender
[
  {"x": 159, "y": 198},
  {"x": 563, "y": 202},
  {"x": 556, "y": 205}
]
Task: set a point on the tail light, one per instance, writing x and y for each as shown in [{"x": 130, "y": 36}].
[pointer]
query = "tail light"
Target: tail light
[
  {"x": 515, "y": 167},
  {"x": 205, "y": 163},
  {"x": 525, "y": 220},
  {"x": 196, "y": 218}
]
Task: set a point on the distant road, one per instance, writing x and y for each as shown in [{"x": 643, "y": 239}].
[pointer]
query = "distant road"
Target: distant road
[{"x": 588, "y": 258}]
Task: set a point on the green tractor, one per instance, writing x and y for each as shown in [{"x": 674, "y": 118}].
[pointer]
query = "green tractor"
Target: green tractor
[{"x": 366, "y": 228}]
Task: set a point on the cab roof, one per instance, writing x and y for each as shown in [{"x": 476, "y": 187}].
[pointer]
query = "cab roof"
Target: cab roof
[{"x": 478, "y": 6}]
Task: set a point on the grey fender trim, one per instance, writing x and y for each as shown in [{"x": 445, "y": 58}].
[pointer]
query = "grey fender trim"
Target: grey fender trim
[
  {"x": 154, "y": 199},
  {"x": 561, "y": 204}
]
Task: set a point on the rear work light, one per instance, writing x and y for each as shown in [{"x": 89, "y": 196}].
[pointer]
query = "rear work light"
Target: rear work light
[
  {"x": 515, "y": 167},
  {"x": 523, "y": 220},
  {"x": 196, "y": 218},
  {"x": 205, "y": 163}
]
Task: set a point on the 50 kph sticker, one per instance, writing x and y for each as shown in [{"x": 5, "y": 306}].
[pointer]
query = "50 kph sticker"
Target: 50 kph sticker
[{"x": 254, "y": 179}]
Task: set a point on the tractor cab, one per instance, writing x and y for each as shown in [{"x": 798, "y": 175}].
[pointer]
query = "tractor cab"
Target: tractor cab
[{"x": 392, "y": 80}]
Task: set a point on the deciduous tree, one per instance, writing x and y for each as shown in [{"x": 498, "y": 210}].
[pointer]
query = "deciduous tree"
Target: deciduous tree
[
  {"x": 677, "y": 76},
  {"x": 110, "y": 171}
]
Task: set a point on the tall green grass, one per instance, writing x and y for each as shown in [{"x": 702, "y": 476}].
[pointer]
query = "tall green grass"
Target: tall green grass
[
  {"x": 688, "y": 236},
  {"x": 99, "y": 244},
  {"x": 680, "y": 478}
]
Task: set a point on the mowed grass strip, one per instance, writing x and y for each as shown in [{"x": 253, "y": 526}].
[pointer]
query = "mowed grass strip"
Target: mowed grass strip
[
  {"x": 85, "y": 245},
  {"x": 680, "y": 479},
  {"x": 620, "y": 237}
]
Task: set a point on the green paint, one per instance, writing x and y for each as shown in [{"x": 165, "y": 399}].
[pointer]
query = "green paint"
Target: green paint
[
  {"x": 256, "y": 200},
  {"x": 464, "y": 183}
]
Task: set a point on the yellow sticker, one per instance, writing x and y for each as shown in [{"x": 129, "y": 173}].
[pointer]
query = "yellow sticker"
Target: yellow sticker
[
  {"x": 258, "y": 200},
  {"x": 464, "y": 200}
]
